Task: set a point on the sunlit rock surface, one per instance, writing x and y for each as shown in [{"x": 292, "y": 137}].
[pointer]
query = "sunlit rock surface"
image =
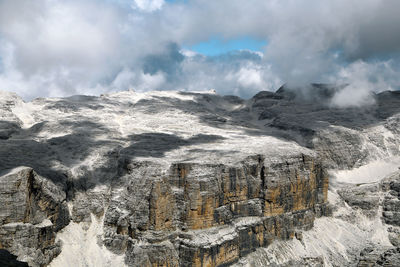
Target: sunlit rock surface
[{"x": 198, "y": 179}]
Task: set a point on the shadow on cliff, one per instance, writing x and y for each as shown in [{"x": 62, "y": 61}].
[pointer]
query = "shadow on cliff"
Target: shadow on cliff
[
  {"x": 266, "y": 114},
  {"x": 287, "y": 115},
  {"x": 9, "y": 260},
  {"x": 283, "y": 114},
  {"x": 145, "y": 145},
  {"x": 157, "y": 144},
  {"x": 75, "y": 103},
  {"x": 54, "y": 157}
]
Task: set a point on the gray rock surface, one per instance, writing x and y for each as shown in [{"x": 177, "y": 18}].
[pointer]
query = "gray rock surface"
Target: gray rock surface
[
  {"x": 198, "y": 179},
  {"x": 379, "y": 257},
  {"x": 391, "y": 201},
  {"x": 33, "y": 210},
  {"x": 365, "y": 197}
]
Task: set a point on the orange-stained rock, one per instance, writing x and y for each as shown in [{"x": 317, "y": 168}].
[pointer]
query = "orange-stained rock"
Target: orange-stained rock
[
  {"x": 278, "y": 199},
  {"x": 299, "y": 190},
  {"x": 222, "y": 254},
  {"x": 202, "y": 215},
  {"x": 162, "y": 206}
]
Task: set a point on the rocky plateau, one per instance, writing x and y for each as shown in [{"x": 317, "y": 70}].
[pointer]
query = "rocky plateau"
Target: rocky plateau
[{"x": 198, "y": 179}]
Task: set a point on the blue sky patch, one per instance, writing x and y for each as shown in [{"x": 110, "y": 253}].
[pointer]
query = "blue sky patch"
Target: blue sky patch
[
  {"x": 217, "y": 46},
  {"x": 171, "y": 1}
]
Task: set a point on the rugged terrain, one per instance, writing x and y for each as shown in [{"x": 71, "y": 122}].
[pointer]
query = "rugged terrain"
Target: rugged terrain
[{"x": 198, "y": 179}]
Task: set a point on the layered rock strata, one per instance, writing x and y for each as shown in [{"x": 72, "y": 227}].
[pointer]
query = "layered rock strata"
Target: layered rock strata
[{"x": 211, "y": 215}]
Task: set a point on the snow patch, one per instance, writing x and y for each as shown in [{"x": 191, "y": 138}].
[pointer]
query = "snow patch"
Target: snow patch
[
  {"x": 44, "y": 223},
  {"x": 82, "y": 248},
  {"x": 369, "y": 173},
  {"x": 24, "y": 112}
]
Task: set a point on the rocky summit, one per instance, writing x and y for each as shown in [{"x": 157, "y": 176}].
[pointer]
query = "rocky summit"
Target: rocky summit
[{"x": 199, "y": 179}]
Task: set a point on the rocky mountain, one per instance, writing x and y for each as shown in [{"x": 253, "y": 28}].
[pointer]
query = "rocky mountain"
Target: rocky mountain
[{"x": 198, "y": 179}]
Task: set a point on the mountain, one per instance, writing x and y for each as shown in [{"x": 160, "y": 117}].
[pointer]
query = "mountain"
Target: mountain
[{"x": 199, "y": 179}]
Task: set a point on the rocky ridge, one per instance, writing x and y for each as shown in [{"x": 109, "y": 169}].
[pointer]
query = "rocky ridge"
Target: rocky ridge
[{"x": 198, "y": 179}]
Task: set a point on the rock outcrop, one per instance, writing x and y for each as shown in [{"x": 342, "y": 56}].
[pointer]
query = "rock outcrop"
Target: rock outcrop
[
  {"x": 391, "y": 201},
  {"x": 33, "y": 210}
]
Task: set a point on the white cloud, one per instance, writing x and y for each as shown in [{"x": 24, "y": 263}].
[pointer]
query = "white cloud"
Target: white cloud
[
  {"x": 124, "y": 80},
  {"x": 188, "y": 53},
  {"x": 129, "y": 80},
  {"x": 363, "y": 79},
  {"x": 253, "y": 78},
  {"x": 148, "y": 5},
  {"x": 55, "y": 47},
  {"x": 250, "y": 77},
  {"x": 58, "y": 33},
  {"x": 150, "y": 82}
]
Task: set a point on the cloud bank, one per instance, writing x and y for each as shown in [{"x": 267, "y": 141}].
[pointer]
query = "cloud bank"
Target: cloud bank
[{"x": 59, "y": 48}]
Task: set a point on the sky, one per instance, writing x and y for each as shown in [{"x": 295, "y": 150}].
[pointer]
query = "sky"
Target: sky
[{"x": 66, "y": 47}]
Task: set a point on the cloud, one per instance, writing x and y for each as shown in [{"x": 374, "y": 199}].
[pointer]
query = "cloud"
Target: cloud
[
  {"x": 56, "y": 33},
  {"x": 148, "y": 5},
  {"x": 58, "y": 48},
  {"x": 167, "y": 62},
  {"x": 137, "y": 81},
  {"x": 363, "y": 79}
]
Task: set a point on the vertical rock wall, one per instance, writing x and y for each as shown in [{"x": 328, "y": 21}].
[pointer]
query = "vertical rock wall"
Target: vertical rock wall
[
  {"x": 211, "y": 215},
  {"x": 33, "y": 210}
]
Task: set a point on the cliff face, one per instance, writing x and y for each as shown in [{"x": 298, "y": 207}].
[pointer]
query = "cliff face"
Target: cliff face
[
  {"x": 32, "y": 211},
  {"x": 187, "y": 179},
  {"x": 211, "y": 215}
]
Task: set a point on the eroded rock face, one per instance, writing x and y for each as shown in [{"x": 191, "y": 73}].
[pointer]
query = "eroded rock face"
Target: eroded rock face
[
  {"x": 33, "y": 210},
  {"x": 366, "y": 198},
  {"x": 391, "y": 201},
  {"x": 189, "y": 179},
  {"x": 186, "y": 200},
  {"x": 380, "y": 257}
]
